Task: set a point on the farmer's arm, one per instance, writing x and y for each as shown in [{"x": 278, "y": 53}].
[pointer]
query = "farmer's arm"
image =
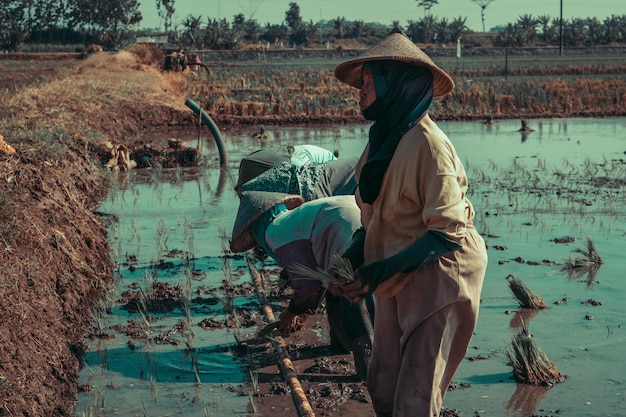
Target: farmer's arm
[{"x": 308, "y": 292}]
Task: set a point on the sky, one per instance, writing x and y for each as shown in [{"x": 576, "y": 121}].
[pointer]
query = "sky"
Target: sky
[{"x": 499, "y": 12}]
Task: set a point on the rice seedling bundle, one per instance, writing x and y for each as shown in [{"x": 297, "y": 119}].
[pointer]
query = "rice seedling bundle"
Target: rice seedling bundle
[
  {"x": 588, "y": 258},
  {"x": 530, "y": 364},
  {"x": 524, "y": 295},
  {"x": 339, "y": 273}
]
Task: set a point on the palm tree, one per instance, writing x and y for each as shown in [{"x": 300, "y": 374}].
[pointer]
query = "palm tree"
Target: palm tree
[
  {"x": 193, "y": 32},
  {"x": 358, "y": 29},
  {"x": 427, "y": 5},
  {"x": 528, "y": 29},
  {"x": 483, "y": 5},
  {"x": 457, "y": 27},
  {"x": 395, "y": 25},
  {"x": 428, "y": 17},
  {"x": 544, "y": 22},
  {"x": 615, "y": 28},
  {"x": 443, "y": 31},
  {"x": 595, "y": 33},
  {"x": 339, "y": 23},
  {"x": 574, "y": 32}
]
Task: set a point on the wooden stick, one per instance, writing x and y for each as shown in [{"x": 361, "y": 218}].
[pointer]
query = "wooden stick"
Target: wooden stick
[{"x": 286, "y": 366}]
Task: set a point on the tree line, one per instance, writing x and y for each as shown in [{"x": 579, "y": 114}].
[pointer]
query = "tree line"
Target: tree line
[{"x": 115, "y": 24}]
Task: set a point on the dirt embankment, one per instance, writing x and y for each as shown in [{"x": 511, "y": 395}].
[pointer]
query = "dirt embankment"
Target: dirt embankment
[{"x": 53, "y": 247}]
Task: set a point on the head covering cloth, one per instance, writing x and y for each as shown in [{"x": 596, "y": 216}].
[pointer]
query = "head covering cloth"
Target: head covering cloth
[
  {"x": 252, "y": 206},
  {"x": 405, "y": 80}
]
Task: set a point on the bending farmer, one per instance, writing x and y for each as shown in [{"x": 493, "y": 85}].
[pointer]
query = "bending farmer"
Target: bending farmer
[{"x": 308, "y": 233}]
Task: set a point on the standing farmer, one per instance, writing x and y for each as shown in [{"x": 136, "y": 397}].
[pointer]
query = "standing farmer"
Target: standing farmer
[{"x": 423, "y": 259}]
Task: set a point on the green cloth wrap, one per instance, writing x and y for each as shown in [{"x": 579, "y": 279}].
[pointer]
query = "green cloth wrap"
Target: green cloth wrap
[
  {"x": 355, "y": 253},
  {"x": 432, "y": 246}
]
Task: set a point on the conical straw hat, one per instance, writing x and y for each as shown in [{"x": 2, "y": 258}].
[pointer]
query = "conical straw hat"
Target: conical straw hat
[
  {"x": 395, "y": 47},
  {"x": 252, "y": 205}
]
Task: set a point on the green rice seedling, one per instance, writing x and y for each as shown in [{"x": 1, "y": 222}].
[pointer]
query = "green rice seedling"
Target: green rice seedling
[
  {"x": 132, "y": 229},
  {"x": 206, "y": 174},
  {"x": 114, "y": 186},
  {"x": 513, "y": 200},
  {"x": 149, "y": 278},
  {"x": 156, "y": 175},
  {"x": 221, "y": 232},
  {"x": 90, "y": 412},
  {"x": 211, "y": 407},
  {"x": 178, "y": 175},
  {"x": 252, "y": 404},
  {"x": 189, "y": 237},
  {"x": 585, "y": 265},
  {"x": 587, "y": 257},
  {"x": 98, "y": 318},
  {"x": 144, "y": 409},
  {"x": 100, "y": 398},
  {"x": 237, "y": 328},
  {"x": 493, "y": 165},
  {"x": 154, "y": 389},
  {"x": 271, "y": 281},
  {"x": 530, "y": 364},
  {"x": 340, "y": 272},
  {"x": 590, "y": 168},
  {"x": 142, "y": 309},
  {"x": 228, "y": 300},
  {"x": 103, "y": 355},
  {"x": 187, "y": 333},
  {"x": 539, "y": 221},
  {"x": 133, "y": 234},
  {"x": 227, "y": 270},
  {"x": 570, "y": 168},
  {"x": 606, "y": 166},
  {"x": 542, "y": 165},
  {"x": 524, "y": 295},
  {"x": 185, "y": 330},
  {"x": 161, "y": 235},
  {"x": 561, "y": 178},
  {"x": 254, "y": 379},
  {"x": 196, "y": 368}
]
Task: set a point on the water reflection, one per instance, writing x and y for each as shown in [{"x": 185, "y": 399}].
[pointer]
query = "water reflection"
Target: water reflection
[
  {"x": 193, "y": 211},
  {"x": 522, "y": 317},
  {"x": 525, "y": 400}
]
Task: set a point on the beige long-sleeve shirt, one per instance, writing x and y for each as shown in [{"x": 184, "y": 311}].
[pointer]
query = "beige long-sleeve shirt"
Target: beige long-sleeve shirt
[{"x": 424, "y": 188}]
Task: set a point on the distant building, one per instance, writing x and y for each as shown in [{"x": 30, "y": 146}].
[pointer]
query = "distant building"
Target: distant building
[{"x": 160, "y": 39}]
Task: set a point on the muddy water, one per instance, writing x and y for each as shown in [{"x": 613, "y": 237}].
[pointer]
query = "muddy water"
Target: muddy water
[{"x": 528, "y": 190}]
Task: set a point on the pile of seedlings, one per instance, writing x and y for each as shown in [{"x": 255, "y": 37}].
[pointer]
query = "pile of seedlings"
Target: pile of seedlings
[{"x": 530, "y": 364}]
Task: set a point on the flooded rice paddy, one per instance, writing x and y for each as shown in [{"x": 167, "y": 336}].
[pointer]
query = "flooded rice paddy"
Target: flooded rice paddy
[{"x": 538, "y": 197}]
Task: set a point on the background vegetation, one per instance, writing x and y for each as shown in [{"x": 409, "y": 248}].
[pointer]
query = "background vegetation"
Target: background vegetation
[{"x": 73, "y": 24}]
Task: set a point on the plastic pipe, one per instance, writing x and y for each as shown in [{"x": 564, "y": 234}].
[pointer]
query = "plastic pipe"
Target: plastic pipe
[{"x": 213, "y": 128}]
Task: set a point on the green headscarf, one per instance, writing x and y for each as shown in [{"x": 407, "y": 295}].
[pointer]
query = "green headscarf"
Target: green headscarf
[
  {"x": 259, "y": 227},
  {"x": 404, "y": 93}
]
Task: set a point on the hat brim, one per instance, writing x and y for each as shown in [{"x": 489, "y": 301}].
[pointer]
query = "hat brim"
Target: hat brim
[
  {"x": 254, "y": 204},
  {"x": 396, "y": 47}
]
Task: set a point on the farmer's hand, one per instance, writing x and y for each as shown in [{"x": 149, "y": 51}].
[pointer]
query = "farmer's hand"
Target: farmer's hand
[
  {"x": 289, "y": 322},
  {"x": 336, "y": 289},
  {"x": 356, "y": 291}
]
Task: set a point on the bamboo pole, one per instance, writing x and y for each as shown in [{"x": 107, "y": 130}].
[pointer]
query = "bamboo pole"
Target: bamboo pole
[{"x": 284, "y": 362}]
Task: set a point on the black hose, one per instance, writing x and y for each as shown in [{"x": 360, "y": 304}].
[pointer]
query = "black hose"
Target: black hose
[{"x": 213, "y": 128}]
